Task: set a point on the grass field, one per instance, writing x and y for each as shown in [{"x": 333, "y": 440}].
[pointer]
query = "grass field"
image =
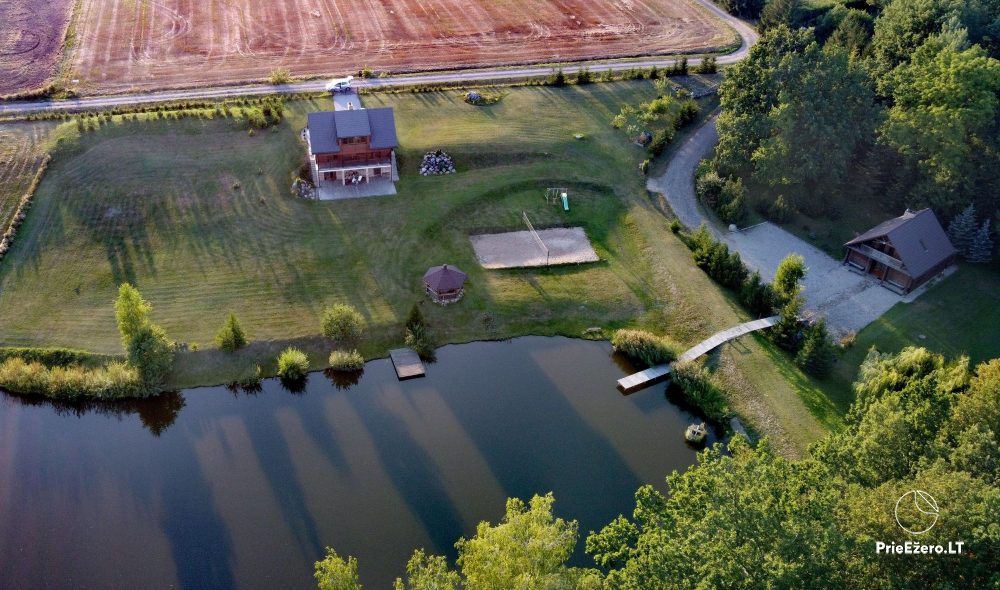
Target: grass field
[
  {"x": 198, "y": 215},
  {"x": 22, "y": 148}
]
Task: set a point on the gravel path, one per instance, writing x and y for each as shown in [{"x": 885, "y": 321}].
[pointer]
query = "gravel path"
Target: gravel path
[{"x": 849, "y": 301}]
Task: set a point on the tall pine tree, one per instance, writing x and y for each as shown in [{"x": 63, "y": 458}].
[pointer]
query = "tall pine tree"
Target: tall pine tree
[
  {"x": 981, "y": 249},
  {"x": 962, "y": 230}
]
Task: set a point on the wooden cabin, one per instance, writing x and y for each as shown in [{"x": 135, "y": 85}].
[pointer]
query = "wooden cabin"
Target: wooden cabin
[
  {"x": 902, "y": 253},
  {"x": 351, "y": 146}
]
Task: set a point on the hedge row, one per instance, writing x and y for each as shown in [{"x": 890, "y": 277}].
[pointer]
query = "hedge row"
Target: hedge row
[{"x": 21, "y": 212}]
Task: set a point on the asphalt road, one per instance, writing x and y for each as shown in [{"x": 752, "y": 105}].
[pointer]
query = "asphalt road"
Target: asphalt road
[{"x": 746, "y": 33}]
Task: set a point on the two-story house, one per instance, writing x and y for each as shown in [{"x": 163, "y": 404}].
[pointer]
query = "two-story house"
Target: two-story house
[{"x": 352, "y": 146}]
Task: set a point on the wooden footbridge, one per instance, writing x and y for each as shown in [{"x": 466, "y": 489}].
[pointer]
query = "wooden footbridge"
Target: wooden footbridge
[{"x": 657, "y": 373}]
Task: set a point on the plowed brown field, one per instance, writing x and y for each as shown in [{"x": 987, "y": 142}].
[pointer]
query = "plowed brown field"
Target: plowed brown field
[
  {"x": 31, "y": 37},
  {"x": 139, "y": 44}
]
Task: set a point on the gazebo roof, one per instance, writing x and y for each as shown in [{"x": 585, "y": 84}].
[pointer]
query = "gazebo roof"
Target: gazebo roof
[{"x": 444, "y": 278}]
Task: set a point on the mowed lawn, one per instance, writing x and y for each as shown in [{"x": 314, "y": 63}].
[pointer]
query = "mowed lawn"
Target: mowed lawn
[
  {"x": 198, "y": 214},
  {"x": 22, "y": 149}
]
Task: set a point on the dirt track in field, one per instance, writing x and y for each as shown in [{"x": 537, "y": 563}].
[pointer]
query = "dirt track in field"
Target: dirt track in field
[
  {"x": 31, "y": 39},
  {"x": 142, "y": 44}
]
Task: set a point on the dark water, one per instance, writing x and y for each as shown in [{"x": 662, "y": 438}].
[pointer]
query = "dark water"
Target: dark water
[{"x": 211, "y": 489}]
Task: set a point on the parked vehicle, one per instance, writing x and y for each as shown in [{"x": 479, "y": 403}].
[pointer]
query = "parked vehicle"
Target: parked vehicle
[{"x": 339, "y": 85}]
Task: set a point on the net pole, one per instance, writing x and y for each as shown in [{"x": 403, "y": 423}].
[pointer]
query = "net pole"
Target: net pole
[{"x": 535, "y": 235}]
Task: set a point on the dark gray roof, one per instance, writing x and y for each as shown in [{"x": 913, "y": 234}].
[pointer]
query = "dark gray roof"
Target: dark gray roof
[
  {"x": 444, "y": 278},
  {"x": 352, "y": 123},
  {"x": 326, "y": 127},
  {"x": 383, "y": 124},
  {"x": 918, "y": 238}
]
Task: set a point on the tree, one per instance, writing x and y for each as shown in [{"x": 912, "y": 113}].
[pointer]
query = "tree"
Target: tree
[
  {"x": 854, "y": 33},
  {"x": 787, "y": 278},
  {"x": 131, "y": 312},
  {"x": 757, "y": 296},
  {"x": 230, "y": 336},
  {"x": 777, "y": 13},
  {"x": 962, "y": 230},
  {"x": 342, "y": 322},
  {"x": 428, "y": 572},
  {"x": 151, "y": 353},
  {"x": 902, "y": 27},
  {"x": 336, "y": 573},
  {"x": 786, "y": 332},
  {"x": 747, "y": 95},
  {"x": 982, "y": 245},
  {"x": 816, "y": 356},
  {"x": 945, "y": 124},
  {"x": 415, "y": 317},
  {"x": 527, "y": 549},
  {"x": 824, "y": 114},
  {"x": 747, "y": 519}
]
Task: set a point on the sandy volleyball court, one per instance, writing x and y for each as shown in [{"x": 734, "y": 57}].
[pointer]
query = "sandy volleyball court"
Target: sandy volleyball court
[{"x": 142, "y": 44}]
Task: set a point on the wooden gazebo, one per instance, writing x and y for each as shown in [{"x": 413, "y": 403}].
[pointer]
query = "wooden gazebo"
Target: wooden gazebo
[{"x": 444, "y": 283}]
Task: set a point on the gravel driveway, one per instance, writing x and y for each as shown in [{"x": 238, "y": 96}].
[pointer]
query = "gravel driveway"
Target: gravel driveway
[{"x": 849, "y": 301}]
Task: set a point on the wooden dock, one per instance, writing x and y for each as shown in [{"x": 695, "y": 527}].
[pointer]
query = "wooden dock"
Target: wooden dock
[
  {"x": 660, "y": 372},
  {"x": 407, "y": 363}
]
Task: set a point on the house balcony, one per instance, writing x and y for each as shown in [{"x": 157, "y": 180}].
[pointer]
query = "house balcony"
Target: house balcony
[{"x": 879, "y": 256}]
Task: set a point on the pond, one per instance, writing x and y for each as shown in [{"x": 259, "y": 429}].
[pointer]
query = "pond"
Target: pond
[{"x": 208, "y": 488}]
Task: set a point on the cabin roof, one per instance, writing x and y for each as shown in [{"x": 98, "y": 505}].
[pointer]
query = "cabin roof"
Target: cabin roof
[
  {"x": 918, "y": 238},
  {"x": 326, "y": 127}
]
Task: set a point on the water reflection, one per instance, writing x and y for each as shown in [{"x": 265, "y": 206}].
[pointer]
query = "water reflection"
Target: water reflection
[
  {"x": 244, "y": 489},
  {"x": 156, "y": 413}
]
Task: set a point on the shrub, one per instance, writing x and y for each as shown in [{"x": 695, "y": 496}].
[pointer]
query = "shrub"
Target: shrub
[
  {"x": 558, "y": 78},
  {"x": 250, "y": 378},
  {"x": 687, "y": 113},
  {"x": 151, "y": 354},
  {"x": 709, "y": 188},
  {"x": 343, "y": 360},
  {"x": 583, "y": 76},
  {"x": 675, "y": 225},
  {"x": 113, "y": 381},
  {"x": 779, "y": 211},
  {"x": 50, "y": 357},
  {"x": 255, "y": 118},
  {"x": 644, "y": 166},
  {"x": 660, "y": 140},
  {"x": 342, "y": 322},
  {"x": 419, "y": 338},
  {"x": 231, "y": 337},
  {"x": 280, "y": 76},
  {"x": 644, "y": 346},
  {"x": 699, "y": 391},
  {"x": 292, "y": 364}
]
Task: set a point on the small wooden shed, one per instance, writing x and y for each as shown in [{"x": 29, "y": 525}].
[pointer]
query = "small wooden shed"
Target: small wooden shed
[{"x": 444, "y": 283}]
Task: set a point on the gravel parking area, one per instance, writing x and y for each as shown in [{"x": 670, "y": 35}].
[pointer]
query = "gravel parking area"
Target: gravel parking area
[
  {"x": 848, "y": 300},
  {"x": 566, "y": 245}
]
